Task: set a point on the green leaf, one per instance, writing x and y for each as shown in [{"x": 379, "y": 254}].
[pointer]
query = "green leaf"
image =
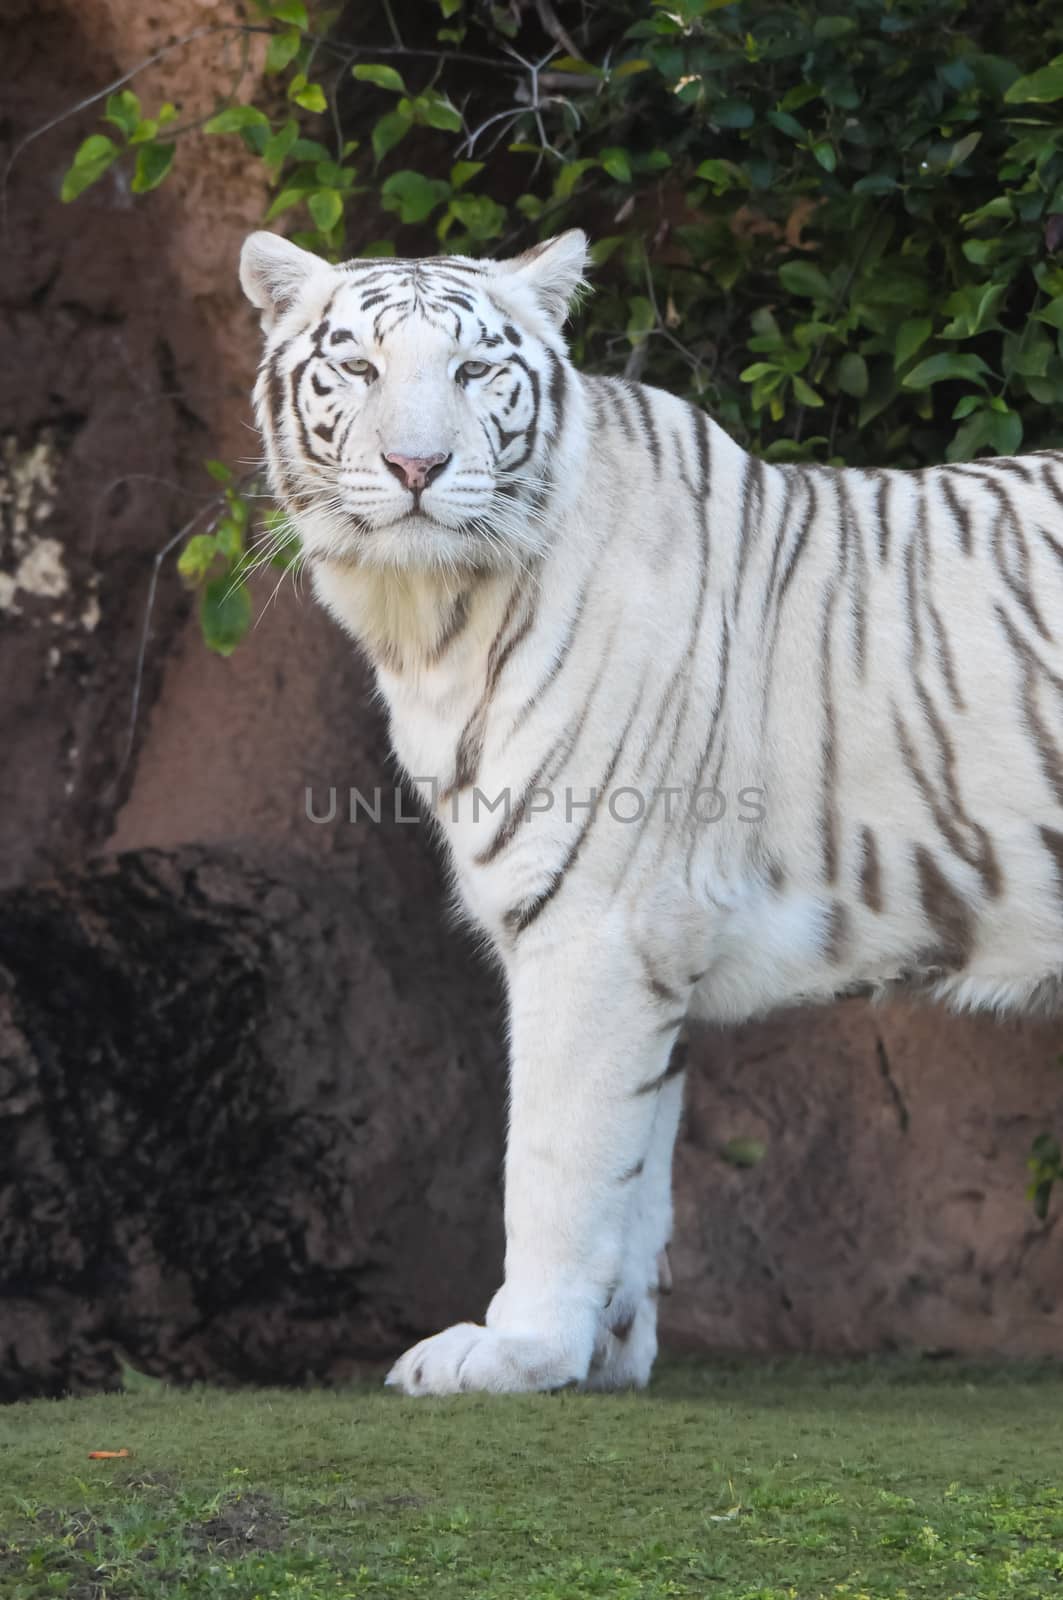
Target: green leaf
[
  {"x": 462, "y": 171},
  {"x": 723, "y": 175},
  {"x": 153, "y": 163},
  {"x": 437, "y": 111},
  {"x": 279, "y": 144},
  {"x": 875, "y": 183},
  {"x": 239, "y": 509},
  {"x": 1040, "y": 87},
  {"x": 285, "y": 544},
  {"x": 123, "y": 110},
  {"x": 392, "y": 127},
  {"x": 225, "y": 614},
  {"x": 283, "y": 48},
  {"x": 575, "y": 64},
  {"x": 786, "y": 124},
  {"x": 413, "y": 195},
  {"x": 326, "y": 208},
  {"x": 292, "y": 11},
  {"x": 627, "y": 68},
  {"x": 744, "y": 1152},
  {"x": 825, "y": 154},
  {"x": 802, "y": 278},
  {"x": 91, "y": 160},
  {"x": 604, "y": 247},
  {"x": 235, "y": 118},
  {"x": 852, "y": 375},
  {"x": 963, "y": 148},
  {"x": 309, "y": 150},
  {"x": 986, "y": 428},
  {"x": 1029, "y": 356},
  {"x": 641, "y": 318},
  {"x": 384, "y": 77},
  {"x": 833, "y": 27},
  {"x": 911, "y": 336},
  {"x": 570, "y": 175},
  {"x": 967, "y": 404},
  {"x": 616, "y": 163},
  {"x": 732, "y": 114},
  {"x": 1052, "y": 313},
  {"x": 805, "y": 393},
  {"x": 144, "y": 131},
  {"x": 943, "y": 367},
  {"x": 219, "y": 471},
  {"x": 310, "y": 96},
  {"x": 286, "y": 555},
  {"x": 197, "y": 557},
  {"x": 230, "y": 539},
  {"x": 332, "y": 176},
  {"x": 284, "y": 202},
  {"x": 481, "y": 216}
]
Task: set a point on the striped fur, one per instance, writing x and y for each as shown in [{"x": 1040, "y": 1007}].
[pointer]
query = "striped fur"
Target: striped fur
[{"x": 837, "y": 697}]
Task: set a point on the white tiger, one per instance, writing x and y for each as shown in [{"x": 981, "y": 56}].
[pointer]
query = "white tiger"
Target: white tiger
[{"x": 821, "y": 712}]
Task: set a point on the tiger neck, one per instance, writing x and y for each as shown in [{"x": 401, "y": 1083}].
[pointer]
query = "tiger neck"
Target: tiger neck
[{"x": 414, "y": 625}]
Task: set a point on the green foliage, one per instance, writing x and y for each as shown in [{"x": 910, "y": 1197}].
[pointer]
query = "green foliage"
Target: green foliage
[
  {"x": 800, "y": 215},
  {"x": 219, "y": 562},
  {"x": 1045, "y": 1165},
  {"x": 96, "y": 154}
]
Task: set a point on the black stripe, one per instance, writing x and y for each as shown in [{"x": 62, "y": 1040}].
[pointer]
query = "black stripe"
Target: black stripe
[
  {"x": 557, "y": 391},
  {"x": 948, "y": 913},
  {"x": 960, "y": 512},
  {"x": 522, "y": 917},
  {"x": 638, "y": 394},
  {"x": 677, "y": 1065}
]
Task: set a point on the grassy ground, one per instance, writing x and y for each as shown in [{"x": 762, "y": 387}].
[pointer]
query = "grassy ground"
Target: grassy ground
[{"x": 733, "y": 1482}]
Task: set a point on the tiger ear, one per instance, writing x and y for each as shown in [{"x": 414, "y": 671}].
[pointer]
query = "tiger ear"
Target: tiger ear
[
  {"x": 555, "y": 271},
  {"x": 274, "y": 272}
]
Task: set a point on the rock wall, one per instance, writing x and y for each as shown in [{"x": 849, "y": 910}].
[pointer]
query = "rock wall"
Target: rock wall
[{"x": 250, "y": 1080}]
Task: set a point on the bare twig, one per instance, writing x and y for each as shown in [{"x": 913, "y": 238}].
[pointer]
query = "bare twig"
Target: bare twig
[
  {"x": 90, "y": 100},
  {"x": 145, "y": 631},
  {"x": 553, "y": 27},
  {"x": 137, "y": 477}
]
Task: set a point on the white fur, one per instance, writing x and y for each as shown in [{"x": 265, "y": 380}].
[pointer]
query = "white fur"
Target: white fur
[{"x": 935, "y": 728}]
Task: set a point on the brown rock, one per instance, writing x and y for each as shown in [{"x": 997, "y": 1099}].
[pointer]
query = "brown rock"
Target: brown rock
[
  {"x": 889, "y": 1209},
  {"x": 249, "y": 1120}
]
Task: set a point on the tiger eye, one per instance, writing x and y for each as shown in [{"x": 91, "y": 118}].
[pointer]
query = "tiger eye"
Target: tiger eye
[
  {"x": 474, "y": 369},
  {"x": 359, "y": 368}
]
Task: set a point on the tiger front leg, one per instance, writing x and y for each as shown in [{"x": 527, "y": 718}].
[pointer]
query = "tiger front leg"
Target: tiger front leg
[
  {"x": 591, "y": 1051},
  {"x": 626, "y": 1347}
]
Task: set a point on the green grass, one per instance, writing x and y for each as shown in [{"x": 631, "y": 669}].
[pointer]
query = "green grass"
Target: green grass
[{"x": 728, "y": 1481}]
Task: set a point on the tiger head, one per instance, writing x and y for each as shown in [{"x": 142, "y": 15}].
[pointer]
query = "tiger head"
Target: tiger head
[{"x": 411, "y": 410}]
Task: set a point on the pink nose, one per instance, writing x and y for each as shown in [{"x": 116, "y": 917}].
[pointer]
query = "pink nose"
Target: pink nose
[{"x": 416, "y": 472}]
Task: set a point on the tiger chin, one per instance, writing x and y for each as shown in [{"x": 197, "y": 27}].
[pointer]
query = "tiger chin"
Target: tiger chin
[{"x": 705, "y": 736}]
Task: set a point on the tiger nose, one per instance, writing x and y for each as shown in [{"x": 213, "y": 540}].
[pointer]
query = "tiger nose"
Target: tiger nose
[{"x": 415, "y": 472}]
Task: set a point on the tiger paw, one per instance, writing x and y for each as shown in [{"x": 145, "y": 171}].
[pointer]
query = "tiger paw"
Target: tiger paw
[
  {"x": 626, "y": 1348},
  {"x": 468, "y": 1358}
]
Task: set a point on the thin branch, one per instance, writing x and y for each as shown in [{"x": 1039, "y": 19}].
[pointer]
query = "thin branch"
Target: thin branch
[
  {"x": 138, "y": 477},
  {"x": 100, "y": 94},
  {"x": 336, "y": 46},
  {"x": 145, "y": 630},
  {"x": 393, "y": 25}
]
